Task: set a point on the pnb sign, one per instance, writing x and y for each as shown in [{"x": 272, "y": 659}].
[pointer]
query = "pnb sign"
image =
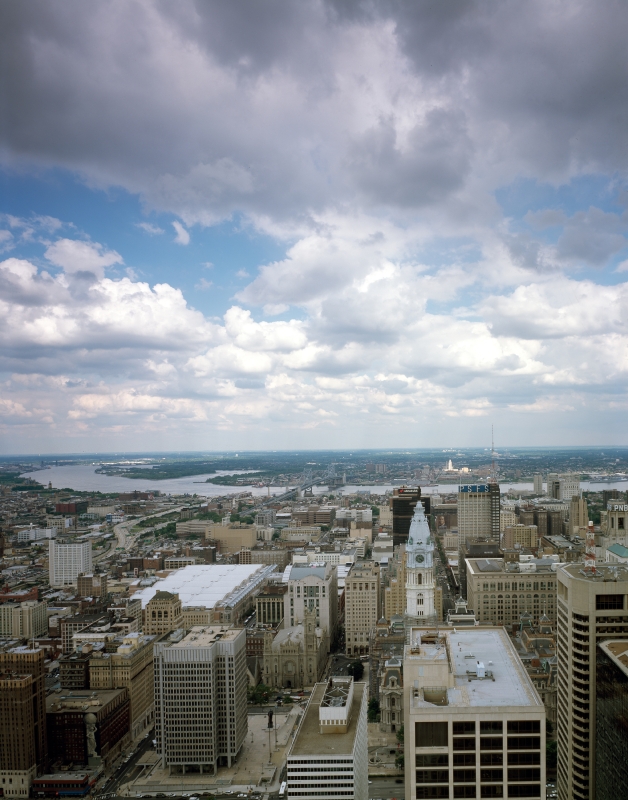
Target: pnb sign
[{"x": 617, "y": 506}]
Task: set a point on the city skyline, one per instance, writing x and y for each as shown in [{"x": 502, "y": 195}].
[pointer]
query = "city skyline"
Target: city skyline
[{"x": 334, "y": 224}]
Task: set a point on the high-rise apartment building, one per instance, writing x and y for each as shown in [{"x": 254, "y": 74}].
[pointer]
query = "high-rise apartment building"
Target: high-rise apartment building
[
  {"x": 200, "y": 698},
  {"x": 361, "y": 606},
  {"x": 23, "y": 741},
  {"x": 592, "y": 608},
  {"x": 420, "y": 582},
  {"x": 329, "y": 755},
  {"x": 474, "y": 723},
  {"x": 25, "y": 620},
  {"x": 315, "y": 587},
  {"x": 538, "y": 484},
  {"x": 478, "y": 511},
  {"x": 402, "y": 504},
  {"x": 67, "y": 560}
]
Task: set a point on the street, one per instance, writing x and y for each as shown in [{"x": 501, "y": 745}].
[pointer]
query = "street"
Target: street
[{"x": 386, "y": 788}]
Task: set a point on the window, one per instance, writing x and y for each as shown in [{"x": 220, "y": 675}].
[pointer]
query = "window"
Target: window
[
  {"x": 432, "y": 776},
  {"x": 609, "y": 601},
  {"x": 491, "y": 775},
  {"x": 464, "y": 759},
  {"x": 492, "y": 743},
  {"x": 432, "y": 760},
  {"x": 491, "y": 726},
  {"x": 431, "y": 791},
  {"x": 463, "y": 728},
  {"x": 492, "y": 791},
  {"x": 430, "y": 734},
  {"x": 524, "y": 774},
  {"x": 464, "y": 775},
  {"x": 524, "y": 790},
  {"x": 465, "y": 744},
  {"x": 524, "y": 758},
  {"x": 524, "y": 743},
  {"x": 492, "y": 759},
  {"x": 524, "y": 726},
  {"x": 464, "y": 791}
]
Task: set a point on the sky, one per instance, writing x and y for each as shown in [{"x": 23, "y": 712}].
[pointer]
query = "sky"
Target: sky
[{"x": 321, "y": 224}]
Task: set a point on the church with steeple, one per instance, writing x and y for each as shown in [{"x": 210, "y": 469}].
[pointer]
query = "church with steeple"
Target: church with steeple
[{"x": 420, "y": 583}]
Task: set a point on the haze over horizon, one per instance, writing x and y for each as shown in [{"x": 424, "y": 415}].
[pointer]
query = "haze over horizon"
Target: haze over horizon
[{"x": 329, "y": 224}]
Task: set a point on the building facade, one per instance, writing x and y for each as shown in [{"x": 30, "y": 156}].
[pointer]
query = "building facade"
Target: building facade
[
  {"x": 200, "y": 699},
  {"x": 163, "y": 614},
  {"x": 23, "y": 740},
  {"x": 361, "y": 606},
  {"x": 474, "y": 724},
  {"x": 329, "y": 755},
  {"x": 391, "y": 695},
  {"x": 313, "y": 587},
  {"x": 500, "y": 592},
  {"x": 269, "y": 605},
  {"x": 611, "y": 713},
  {"x": 592, "y": 608},
  {"x": 295, "y": 657},
  {"x": 67, "y": 560},
  {"x": 478, "y": 511}
]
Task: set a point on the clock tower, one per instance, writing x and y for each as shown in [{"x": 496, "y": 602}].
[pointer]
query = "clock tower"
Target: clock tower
[{"x": 420, "y": 569}]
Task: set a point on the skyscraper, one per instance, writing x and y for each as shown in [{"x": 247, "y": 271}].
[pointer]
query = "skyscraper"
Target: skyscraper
[
  {"x": 591, "y": 608},
  {"x": 23, "y": 741},
  {"x": 419, "y": 571},
  {"x": 402, "y": 503},
  {"x": 200, "y": 698},
  {"x": 538, "y": 484},
  {"x": 67, "y": 560},
  {"x": 478, "y": 511}
]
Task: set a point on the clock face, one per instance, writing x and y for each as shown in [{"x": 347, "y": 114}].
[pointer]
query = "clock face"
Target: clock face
[{"x": 420, "y": 559}]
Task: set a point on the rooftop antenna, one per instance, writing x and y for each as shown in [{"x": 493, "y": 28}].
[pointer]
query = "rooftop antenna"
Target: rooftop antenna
[{"x": 492, "y": 478}]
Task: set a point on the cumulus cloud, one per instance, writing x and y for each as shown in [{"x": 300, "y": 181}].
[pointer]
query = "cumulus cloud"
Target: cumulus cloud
[
  {"x": 75, "y": 256},
  {"x": 372, "y": 140}
]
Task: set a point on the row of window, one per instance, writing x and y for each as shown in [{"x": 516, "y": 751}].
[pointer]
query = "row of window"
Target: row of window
[
  {"x": 527, "y": 790},
  {"x": 486, "y": 775},
  {"x": 469, "y": 759}
]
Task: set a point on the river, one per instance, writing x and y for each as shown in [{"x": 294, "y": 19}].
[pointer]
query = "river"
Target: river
[{"x": 84, "y": 478}]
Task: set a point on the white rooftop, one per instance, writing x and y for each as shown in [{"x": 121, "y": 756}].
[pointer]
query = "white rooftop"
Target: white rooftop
[
  {"x": 508, "y": 685},
  {"x": 204, "y": 585}
]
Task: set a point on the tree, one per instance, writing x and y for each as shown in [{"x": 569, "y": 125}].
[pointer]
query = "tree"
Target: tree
[
  {"x": 373, "y": 710},
  {"x": 400, "y": 734},
  {"x": 356, "y": 670},
  {"x": 259, "y": 694},
  {"x": 551, "y": 754},
  {"x": 399, "y": 761}
]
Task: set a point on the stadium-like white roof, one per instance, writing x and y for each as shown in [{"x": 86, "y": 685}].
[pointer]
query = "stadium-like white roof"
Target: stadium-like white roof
[{"x": 208, "y": 584}]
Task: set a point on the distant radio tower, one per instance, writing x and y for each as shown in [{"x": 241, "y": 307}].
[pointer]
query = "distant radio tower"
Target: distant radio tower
[{"x": 492, "y": 479}]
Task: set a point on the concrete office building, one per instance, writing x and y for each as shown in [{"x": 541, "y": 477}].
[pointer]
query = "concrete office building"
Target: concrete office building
[
  {"x": 538, "y": 484},
  {"x": 67, "y": 560},
  {"x": 616, "y": 523},
  {"x": 501, "y": 592},
  {"x": 23, "y": 740},
  {"x": 361, "y": 606},
  {"x": 329, "y": 756},
  {"x": 478, "y": 511},
  {"x": 474, "y": 723},
  {"x": 611, "y": 713},
  {"x": 592, "y": 608},
  {"x": 402, "y": 504},
  {"x": 200, "y": 699},
  {"x": 521, "y": 536},
  {"x": 312, "y": 586}
]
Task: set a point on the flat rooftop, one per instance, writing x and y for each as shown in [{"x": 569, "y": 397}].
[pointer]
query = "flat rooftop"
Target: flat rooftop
[
  {"x": 205, "y": 635},
  {"x": 509, "y": 684},
  {"x": 203, "y": 585},
  {"x": 604, "y": 573},
  {"x": 617, "y": 651},
  {"x": 309, "y": 742}
]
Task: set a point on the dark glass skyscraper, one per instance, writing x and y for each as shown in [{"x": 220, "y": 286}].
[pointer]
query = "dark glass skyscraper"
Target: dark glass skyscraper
[{"x": 611, "y": 720}]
